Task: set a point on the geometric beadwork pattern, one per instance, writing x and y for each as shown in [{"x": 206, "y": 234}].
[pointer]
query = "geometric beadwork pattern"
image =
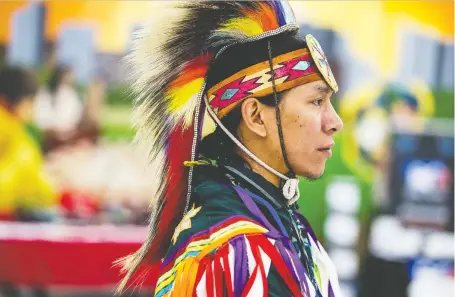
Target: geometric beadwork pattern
[{"x": 290, "y": 70}]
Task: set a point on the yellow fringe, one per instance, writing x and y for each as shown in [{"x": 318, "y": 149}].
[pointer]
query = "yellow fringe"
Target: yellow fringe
[{"x": 195, "y": 163}]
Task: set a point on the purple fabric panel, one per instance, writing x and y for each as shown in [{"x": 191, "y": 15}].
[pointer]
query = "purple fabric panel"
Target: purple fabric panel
[
  {"x": 331, "y": 293},
  {"x": 270, "y": 208},
  {"x": 273, "y": 233},
  {"x": 240, "y": 264},
  {"x": 307, "y": 225},
  {"x": 301, "y": 272},
  {"x": 286, "y": 259},
  {"x": 290, "y": 259},
  {"x": 256, "y": 211}
]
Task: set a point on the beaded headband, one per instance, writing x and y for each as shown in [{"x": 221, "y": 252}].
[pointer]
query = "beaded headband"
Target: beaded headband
[{"x": 290, "y": 70}]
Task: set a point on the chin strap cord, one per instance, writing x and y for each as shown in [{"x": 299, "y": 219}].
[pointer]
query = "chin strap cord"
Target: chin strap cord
[{"x": 291, "y": 186}]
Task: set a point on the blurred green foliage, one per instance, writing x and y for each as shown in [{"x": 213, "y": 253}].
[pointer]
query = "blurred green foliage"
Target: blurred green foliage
[
  {"x": 119, "y": 96},
  {"x": 444, "y": 107}
]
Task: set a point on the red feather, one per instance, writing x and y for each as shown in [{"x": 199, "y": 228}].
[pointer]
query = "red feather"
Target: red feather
[
  {"x": 196, "y": 68},
  {"x": 180, "y": 141},
  {"x": 179, "y": 150}
]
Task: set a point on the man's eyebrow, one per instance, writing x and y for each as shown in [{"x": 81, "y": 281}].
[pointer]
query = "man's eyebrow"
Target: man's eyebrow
[{"x": 322, "y": 88}]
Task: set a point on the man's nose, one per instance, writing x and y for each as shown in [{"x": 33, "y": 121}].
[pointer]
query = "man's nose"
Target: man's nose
[{"x": 333, "y": 122}]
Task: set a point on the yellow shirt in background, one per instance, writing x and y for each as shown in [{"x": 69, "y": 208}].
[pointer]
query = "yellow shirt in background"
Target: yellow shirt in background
[{"x": 22, "y": 180}]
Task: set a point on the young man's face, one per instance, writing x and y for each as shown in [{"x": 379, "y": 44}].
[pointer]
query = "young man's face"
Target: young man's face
[{"x": 308, "y": 122}]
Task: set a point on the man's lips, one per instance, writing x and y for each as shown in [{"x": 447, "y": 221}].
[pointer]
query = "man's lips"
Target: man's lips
[{"x": 327, "y": 149}]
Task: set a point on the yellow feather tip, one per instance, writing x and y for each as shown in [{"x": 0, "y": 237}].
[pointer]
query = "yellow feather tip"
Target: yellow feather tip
[
  {"x": 179, "y": 97},
  {"x": 247, "y": 26}
]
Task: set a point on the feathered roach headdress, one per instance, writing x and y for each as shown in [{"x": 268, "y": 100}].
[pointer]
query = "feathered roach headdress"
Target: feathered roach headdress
[{"x": 170, "y": 61}]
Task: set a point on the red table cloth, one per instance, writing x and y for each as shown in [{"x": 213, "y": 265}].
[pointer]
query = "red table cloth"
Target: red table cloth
[{"x": 59, "y": 255}]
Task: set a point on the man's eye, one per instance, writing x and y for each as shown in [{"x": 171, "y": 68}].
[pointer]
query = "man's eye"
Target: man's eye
[{"x": 317, "y": 102}]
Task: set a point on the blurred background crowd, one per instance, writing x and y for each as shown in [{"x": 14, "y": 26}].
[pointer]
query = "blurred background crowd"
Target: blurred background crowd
[{"x": 74, "y": 192}]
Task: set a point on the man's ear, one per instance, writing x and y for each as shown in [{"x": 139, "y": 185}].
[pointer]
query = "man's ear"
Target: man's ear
[{"x": 253, "y": 116}]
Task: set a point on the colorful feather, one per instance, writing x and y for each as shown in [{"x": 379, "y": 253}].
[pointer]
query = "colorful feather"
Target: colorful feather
[{"x": 169, "y": 62}]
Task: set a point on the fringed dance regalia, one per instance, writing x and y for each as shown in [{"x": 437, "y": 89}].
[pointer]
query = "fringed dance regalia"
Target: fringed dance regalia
[
  {"x": 240, "y": 239},
  {"x": 218, "y": 228}
]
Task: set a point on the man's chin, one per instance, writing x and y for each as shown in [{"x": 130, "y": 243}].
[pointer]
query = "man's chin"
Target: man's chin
[{"x": 312, "y": 175}]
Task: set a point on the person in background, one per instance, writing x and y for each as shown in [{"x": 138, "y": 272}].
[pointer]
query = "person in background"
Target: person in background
[
  {"x": 59, "y": 109},
  {"x": 26, "y": 193},
  {"x": 90, "y": 126}
]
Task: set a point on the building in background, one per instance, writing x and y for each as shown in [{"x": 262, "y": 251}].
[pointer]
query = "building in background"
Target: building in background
[
  {"x": 427, "y": 58},
  {"x": 26, "y": 37},
  {"x": 75, "y": 47}
]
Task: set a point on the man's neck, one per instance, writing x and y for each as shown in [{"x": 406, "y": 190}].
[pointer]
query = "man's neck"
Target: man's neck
[{"x": 261, "y": 170}]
